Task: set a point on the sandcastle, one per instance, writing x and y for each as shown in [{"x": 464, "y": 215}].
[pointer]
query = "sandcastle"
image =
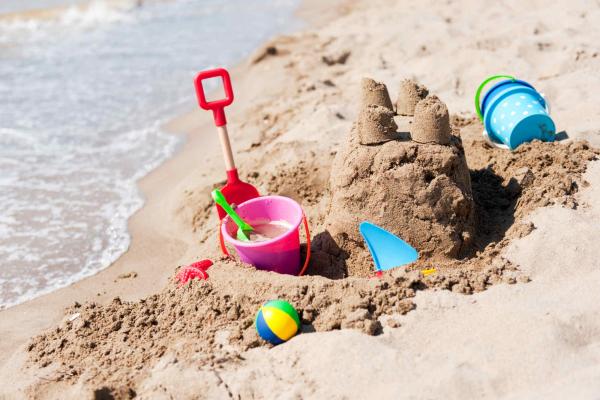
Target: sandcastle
[{"x": 418, "y": 189}]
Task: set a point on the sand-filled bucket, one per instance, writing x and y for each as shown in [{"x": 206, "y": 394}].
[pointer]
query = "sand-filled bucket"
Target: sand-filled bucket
[
  {"x": 278, "y": 254},
  {"x": 513, "y": 112}
]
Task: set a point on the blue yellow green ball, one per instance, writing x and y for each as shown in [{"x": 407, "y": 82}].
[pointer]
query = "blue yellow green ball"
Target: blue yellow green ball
[{"x": 277, "y": 321}]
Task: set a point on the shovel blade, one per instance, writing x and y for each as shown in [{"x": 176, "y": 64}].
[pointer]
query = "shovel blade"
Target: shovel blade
[{"x": 388, "y": 250}]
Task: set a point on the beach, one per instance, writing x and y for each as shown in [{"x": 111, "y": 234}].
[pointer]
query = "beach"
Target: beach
[{"x": 518, "y": 317}]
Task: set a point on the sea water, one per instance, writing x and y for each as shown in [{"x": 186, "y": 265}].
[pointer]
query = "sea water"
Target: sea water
[{"x": 84, "y": 91}]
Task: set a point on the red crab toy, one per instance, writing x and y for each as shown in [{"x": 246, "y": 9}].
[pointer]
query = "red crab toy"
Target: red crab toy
[{"x": 196, "y": 270}]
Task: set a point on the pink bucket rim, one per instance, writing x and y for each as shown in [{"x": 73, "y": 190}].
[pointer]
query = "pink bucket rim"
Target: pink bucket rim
[{"x": 295, "y": 225}]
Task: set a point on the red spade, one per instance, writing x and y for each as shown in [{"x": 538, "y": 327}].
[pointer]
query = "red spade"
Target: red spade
[{"x": 235, "y": 191}]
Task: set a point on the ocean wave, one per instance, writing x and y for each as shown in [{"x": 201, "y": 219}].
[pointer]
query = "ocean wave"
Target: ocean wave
[
  {"x": 86, "y": 15},
  {"x": 55, "y": 234}
]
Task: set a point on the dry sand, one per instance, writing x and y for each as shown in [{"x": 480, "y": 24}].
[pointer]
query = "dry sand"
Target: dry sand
[{"x": 537, "y": 338}]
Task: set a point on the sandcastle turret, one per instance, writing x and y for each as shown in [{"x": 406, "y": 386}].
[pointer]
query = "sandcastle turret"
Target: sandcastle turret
[
  {"x": 375, "y": 93},
  {"x": 409, "y": 94},
  {"x": 376, "y": 125},
  {"x": 432, "y": 122}
]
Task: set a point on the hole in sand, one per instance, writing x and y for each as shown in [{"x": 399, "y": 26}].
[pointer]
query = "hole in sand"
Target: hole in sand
[{"x": 428, "y": 176}]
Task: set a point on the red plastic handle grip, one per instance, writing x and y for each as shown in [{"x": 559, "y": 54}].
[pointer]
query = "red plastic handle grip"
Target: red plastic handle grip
[{"x": 216, "y": 106}]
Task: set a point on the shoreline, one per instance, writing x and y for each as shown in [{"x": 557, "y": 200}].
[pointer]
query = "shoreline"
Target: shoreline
[
  {"x": 155, "y": 246},
  {"x": 106, "y": 237}
]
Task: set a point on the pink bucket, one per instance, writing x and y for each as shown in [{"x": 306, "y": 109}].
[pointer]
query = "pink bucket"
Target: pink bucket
[{"x": 280, "y": 254}]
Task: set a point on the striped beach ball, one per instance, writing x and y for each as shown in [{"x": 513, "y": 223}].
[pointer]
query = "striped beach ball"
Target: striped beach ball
[{"x": 277, "y": 321}]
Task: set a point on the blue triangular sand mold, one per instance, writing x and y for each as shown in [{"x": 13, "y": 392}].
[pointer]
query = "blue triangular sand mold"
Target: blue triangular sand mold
[{"x": 388, "y": 250}]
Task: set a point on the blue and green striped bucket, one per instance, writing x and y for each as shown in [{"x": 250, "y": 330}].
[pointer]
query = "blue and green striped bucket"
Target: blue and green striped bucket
[{"x": 513, "y": 112}]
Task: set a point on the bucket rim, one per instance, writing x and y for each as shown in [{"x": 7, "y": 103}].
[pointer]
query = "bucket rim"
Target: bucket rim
[
  {"x": 497, "y": 85},
  {"x": 239, "y": 243}
]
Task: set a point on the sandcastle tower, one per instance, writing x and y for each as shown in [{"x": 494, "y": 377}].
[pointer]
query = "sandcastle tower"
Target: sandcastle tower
[
  {"x": 417, "y": 189},
  {"x": 432, "y": 122},
  {"x": 410, "y": 93},
  {"x": 375, "y": 125},
  {"x": 375, "y": 93}
]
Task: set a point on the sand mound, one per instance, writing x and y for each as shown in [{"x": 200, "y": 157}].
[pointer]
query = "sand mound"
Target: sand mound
[
  {"x": 209, "y": 323},
  {"x": 375, "y": 93},
  {"x": 409, "y": 94}
]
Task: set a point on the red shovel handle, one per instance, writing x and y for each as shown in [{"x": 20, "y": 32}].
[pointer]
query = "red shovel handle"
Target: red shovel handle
[
  {"x": 306, "y": 230},
  {"x": 216, "y": 106}
]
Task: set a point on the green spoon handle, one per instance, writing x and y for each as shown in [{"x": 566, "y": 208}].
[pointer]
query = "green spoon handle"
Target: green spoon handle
[{"x": 220, "y": 200}]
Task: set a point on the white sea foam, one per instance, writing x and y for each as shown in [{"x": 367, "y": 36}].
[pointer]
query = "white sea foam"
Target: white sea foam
[
  {"x": 83, "y": 99},
  {"x": 97, "y": 12},
  {"x": 37, "y": 24}
]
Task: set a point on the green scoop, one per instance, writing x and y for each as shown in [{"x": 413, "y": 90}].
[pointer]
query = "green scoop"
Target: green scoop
[{"x": 244, "y": 228}]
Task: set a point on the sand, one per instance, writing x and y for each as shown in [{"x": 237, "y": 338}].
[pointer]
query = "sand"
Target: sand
[{"x": 529, "y": 326}]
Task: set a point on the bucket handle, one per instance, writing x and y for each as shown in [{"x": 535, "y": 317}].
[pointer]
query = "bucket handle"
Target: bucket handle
[
  {"x": 480, "y": 88},
  {"x": 306, "y": 230},
  {"x": 222, "y": 241}
]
